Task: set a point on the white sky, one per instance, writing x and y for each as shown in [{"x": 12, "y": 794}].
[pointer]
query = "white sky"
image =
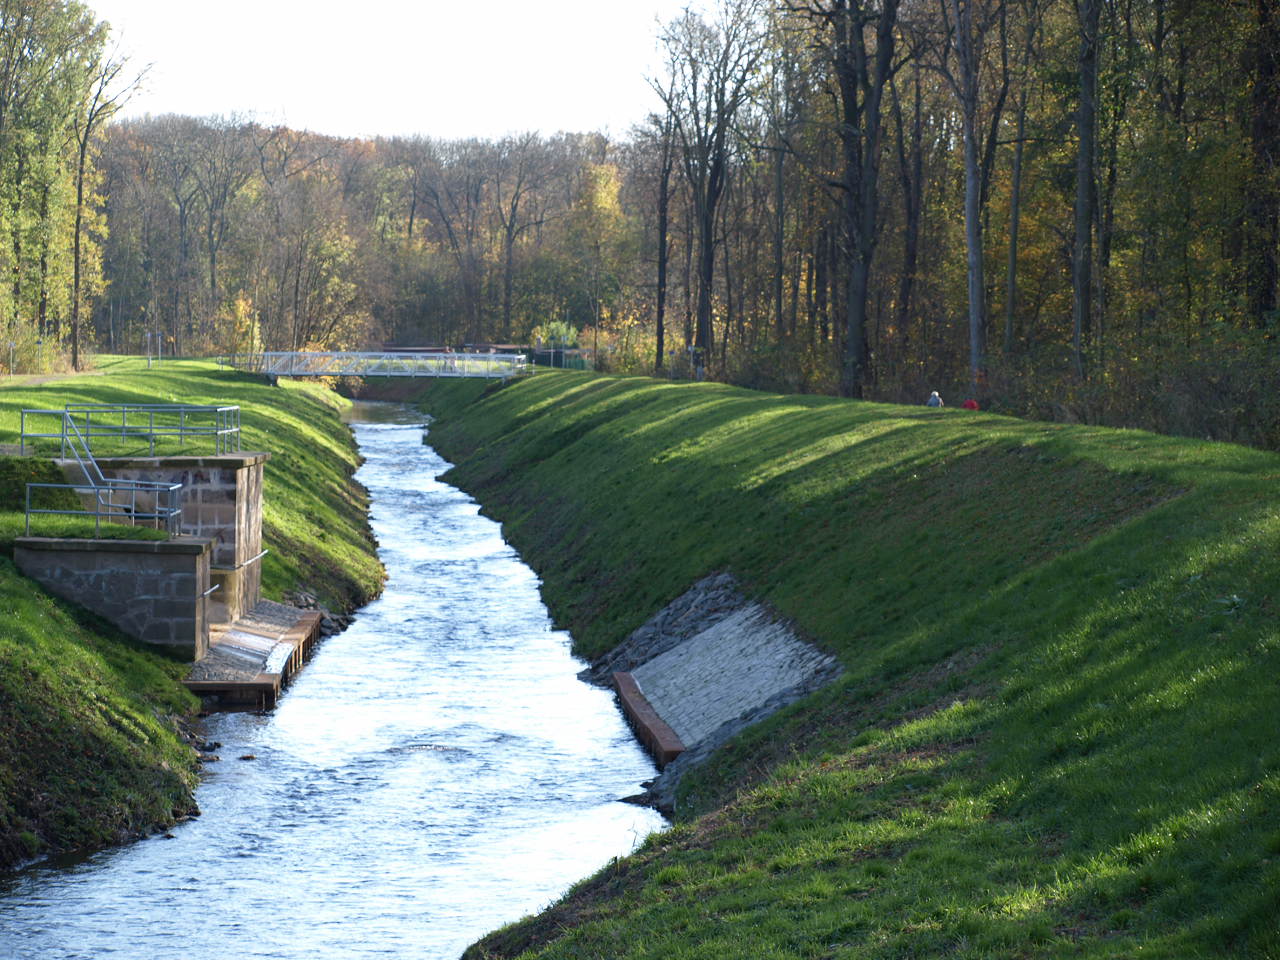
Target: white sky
[{"x": 444, "y": 68}]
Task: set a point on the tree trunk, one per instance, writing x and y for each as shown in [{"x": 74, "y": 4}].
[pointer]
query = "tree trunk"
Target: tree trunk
[
  {"x": 76, "y": 250},
  {"x": 664, "y": 211},
  {"x": 42, "y": 315},
  {"x": 973, "y": 247},
  {"x": 1015, "y": 219},
  {"x": 1089, "y": 12},
  {"x": 703, "y": 334},
  {"x": 16, "y": 227},
  {"x": 911, "y": 173},
  {"x": 688, "y": 278},
  {"x": 779, "y": 236},
  {"x": 1262, "y": 271}
]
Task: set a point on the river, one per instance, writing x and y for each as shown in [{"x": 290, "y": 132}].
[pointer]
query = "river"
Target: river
[{"x": 437, "y": 770}]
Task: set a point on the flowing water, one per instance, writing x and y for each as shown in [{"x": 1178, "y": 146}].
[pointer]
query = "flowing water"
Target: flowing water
[{"x": 436, "y": 771}]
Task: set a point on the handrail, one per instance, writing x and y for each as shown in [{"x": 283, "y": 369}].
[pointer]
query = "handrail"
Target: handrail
[
  {"x": 241, "y": 566},
  {"x": 105, "y": 490},
  {"x": 222, "y": 422},
  {"x": 165, "y": 510}
]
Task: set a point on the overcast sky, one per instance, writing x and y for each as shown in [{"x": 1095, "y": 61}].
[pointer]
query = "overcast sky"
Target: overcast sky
[{"x": 445, "y": 68}]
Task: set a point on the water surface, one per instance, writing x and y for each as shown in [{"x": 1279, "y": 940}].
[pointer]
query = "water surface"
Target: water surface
[{"x": 436, "y": 771}]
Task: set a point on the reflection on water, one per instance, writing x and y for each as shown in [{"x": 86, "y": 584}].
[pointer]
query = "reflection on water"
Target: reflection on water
[{"x": 436, "y": 771}]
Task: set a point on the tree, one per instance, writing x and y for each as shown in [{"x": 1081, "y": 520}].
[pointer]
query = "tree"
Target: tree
[
  {"x": 103, "y": 97},
  {"x": 966, "y": 26},
  {"x": 1262, "y": 268},
  {"x": 1088, "y": 13},
  {"x": 711, "y": 68},
  {"x": 857, "y": 38}
]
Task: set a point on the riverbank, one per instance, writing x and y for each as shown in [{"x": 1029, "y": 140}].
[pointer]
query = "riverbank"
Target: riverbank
[
  {"x": 91, "y": 744},
  {"x": 435, "y": 771},
  {"x": 1054, "y": 733}
]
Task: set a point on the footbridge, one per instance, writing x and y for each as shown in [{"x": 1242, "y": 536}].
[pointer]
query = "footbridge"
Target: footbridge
[{"x": 346, "y": 363}]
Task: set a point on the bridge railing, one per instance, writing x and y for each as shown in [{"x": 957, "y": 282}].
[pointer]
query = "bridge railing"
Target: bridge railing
[{"x": 363, "y": 364}]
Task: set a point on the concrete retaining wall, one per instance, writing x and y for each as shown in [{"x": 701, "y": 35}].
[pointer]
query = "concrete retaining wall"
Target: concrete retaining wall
[
  {"x": 152, "y": 590},
  {"x": 726, "y": 671}
]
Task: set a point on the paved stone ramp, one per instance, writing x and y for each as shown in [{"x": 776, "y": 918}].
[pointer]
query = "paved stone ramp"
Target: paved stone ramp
[
  {"x": 725, "y": 671},
  {"x": 708, "y": 665}
]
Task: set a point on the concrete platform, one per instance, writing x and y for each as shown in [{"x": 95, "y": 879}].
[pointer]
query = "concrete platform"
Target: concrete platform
[{"x": 251, "y": 660}]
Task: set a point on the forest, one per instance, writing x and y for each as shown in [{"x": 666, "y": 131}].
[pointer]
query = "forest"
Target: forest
[{"x": 1064, "y": 209}]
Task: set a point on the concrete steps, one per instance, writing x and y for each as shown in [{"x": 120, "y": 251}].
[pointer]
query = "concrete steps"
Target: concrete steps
[{"x": 252, "y": 659}]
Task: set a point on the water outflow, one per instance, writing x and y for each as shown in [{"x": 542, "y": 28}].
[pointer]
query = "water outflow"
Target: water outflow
[{"x": 436, "y": 771}]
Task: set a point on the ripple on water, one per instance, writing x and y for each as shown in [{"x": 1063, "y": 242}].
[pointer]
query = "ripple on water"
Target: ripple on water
[{"x": 436, "y": 771}]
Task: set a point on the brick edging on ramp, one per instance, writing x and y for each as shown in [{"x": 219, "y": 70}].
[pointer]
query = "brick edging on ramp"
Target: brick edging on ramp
[{"x": 652, "y": 730}]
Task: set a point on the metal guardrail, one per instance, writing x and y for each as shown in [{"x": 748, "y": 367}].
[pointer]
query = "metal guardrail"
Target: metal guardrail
[
  {"x": 137, "y": 421},
  {"x": 129, "y": 502},
  {"x": 358, "y": 364},
  {"x": 121, "y": 501}
]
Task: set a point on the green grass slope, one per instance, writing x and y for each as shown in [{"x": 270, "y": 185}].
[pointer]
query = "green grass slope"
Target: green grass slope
[
  {"x": 90, "y": 750},
  {"x": 1057, "y": 733}
]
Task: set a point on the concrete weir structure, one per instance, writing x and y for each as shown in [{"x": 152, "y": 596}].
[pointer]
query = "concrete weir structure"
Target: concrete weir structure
[
  {"x": 221, "y": 501},
  {"x": 198, "y": 592}
]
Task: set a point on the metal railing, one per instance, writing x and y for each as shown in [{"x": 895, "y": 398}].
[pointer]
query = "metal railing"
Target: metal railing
[
  {"x": 131, "y": 502},
  {"x": 357, "y": 364},
  {"x": 135, "y": 503},
  {"x": 147, "y": 422}
]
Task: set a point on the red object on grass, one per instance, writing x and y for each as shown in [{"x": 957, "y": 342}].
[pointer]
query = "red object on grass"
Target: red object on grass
[{"x": 970, "y": 404}]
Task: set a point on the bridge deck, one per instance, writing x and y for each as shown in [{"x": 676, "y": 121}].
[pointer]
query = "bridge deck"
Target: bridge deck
[{"x": 346, "y": 363}]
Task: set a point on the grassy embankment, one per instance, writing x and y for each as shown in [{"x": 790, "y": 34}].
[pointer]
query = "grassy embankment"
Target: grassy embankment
[
  {"x": 1057, "y": 733},
  {"x": 89, "y": 748}
]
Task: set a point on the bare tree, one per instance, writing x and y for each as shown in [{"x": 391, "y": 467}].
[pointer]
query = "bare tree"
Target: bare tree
[
  {"x": 967, "y": 25},
  {"x": 518, "y": 171},
  {"x": 711, "y": 68},
  {"x": 221, "y": 166},
  {"x": 857, "y": 38}
]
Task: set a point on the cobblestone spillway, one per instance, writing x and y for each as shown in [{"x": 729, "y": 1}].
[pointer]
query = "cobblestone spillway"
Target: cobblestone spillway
[{"x": 726, "y": 671}]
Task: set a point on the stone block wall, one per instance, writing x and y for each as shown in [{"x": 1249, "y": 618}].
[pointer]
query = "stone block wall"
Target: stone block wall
[
  {"x": 152, "y": 590},
  {"x": 222, "y": 501}
]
